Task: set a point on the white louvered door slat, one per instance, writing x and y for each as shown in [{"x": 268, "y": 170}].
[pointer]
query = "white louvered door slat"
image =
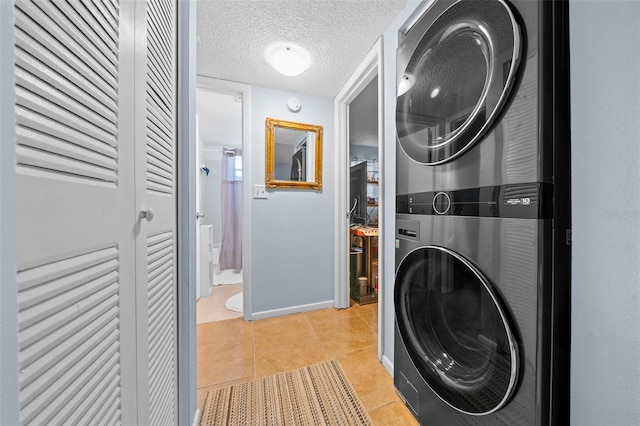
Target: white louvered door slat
[
  {"x": 76, "y": 212},
  {"x": 155, "y": 189}
]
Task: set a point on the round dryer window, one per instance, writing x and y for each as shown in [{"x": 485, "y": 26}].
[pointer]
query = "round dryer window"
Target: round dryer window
[
  {"x": 455, "y": 330},
  {"x": 457, "y": 79}
]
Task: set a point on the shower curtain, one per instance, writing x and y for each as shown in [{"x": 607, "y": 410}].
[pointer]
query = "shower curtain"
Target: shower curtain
[{"x": 231, "y": 203}]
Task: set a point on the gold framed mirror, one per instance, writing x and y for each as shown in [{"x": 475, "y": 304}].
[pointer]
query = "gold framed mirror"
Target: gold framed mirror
[{"x": 293, "y": 155}]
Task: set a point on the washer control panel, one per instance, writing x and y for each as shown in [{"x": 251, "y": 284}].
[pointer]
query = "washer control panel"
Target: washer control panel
[{"x": 523, "y": 201}]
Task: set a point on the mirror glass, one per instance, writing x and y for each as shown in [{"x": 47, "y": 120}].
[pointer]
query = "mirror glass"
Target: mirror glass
[{"x": 294, "y": 155}]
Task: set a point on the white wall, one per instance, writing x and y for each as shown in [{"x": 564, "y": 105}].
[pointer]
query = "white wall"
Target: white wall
[
  {"x": 219, "y": 126},
  {"x": 605, "y": 123},
  {"x": 210, "y": 192},
  {"x": 292, "y": 230}
]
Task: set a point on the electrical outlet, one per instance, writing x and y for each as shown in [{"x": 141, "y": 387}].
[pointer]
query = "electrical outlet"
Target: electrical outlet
[{"x": 259, "y": 191}]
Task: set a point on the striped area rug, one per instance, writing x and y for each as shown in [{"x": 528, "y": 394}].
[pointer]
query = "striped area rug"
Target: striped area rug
[{"x": 316, "y": 395}]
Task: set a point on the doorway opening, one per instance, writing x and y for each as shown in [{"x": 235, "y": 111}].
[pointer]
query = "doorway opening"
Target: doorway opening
[
  {"x": 219, "y": 197},
  {"x": 358, "y": 110},
  {"x": 364, "y": 177}
]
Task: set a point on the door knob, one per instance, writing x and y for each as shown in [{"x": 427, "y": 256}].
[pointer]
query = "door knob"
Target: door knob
[
  {"x": 199, "y": 215},
  {"x": 146, "y": 214}
]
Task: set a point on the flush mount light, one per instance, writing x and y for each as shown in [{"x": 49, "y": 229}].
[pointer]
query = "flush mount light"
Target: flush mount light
[{"x": 288, "y": 58}]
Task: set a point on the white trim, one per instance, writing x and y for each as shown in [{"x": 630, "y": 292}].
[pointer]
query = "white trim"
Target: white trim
[
  {"x": 371, "y": 66},
  {"x": 196, "y": 417},
  {"x": 341, "y": 212},
  {"x": 414, "y": 17},
  {"x": 362, "y": 76},
  {"x": 292, "y": 310},
  {"x": 388, "y": 365},
  {"x": 382, "y": 217},
  {"x": 9, "y": 366},
  {"x": 186, "y": 270},
  {"x": 223, "y": 86}
]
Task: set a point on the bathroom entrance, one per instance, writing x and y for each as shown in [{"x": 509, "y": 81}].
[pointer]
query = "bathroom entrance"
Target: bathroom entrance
[{"x": 219, "y": 196}]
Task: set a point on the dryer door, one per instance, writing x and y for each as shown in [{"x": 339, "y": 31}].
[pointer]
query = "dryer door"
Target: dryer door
[
  {"x": 455, "y": 330},
  {"x": 457, "y": 80}
]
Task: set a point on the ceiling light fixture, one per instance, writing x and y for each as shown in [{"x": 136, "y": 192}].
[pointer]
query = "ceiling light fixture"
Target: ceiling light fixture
[{"x": 288, "y": 58}]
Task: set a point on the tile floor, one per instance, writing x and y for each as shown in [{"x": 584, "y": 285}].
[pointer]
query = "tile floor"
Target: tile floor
[
  {"x": 234, "y": 351},
  {"x": 211, "y": 308}
]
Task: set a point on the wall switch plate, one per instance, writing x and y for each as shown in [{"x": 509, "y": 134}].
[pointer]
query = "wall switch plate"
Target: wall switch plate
[{"x": 259, "y": 191}]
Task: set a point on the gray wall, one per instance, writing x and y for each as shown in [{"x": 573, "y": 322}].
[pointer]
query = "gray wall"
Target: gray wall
[
  {"x": 292, "y": 230},
  {"x": 605, "y": 121}
]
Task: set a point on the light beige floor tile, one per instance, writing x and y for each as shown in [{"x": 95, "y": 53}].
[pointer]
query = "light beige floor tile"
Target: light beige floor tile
[
  {"x": 344, "y": 335},
  {"x": 224, "y": 332},
  {"x": 371, "y": 381},
  {"x": 276, "y": 359},
  {"x": 205, "y": 309},
  {"x": 330, "y": 314},
  {"x": 285, "y": 343},
  {"x": 393, "y": 414},
  {"x": 212, "y": 308},
  {"x": 225, "y": 351},
  {"x": 369, "y": 313},
  {"x": 226, "y": 314},
  {"x": 225, "y": 360},
  {"x": 283, "y": 330}
]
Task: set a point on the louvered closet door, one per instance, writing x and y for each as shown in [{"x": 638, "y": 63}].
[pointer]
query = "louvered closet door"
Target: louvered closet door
[
  {"x": 75, "y": 152},
  {"x": 156, "y": 190}
]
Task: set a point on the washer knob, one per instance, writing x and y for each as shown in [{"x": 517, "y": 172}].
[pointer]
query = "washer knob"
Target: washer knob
[{"x": 441, "y": 203}]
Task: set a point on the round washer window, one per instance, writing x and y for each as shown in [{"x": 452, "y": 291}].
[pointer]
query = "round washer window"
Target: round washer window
[
  {"x": 455, "y": 330},
  {"x": 457, "y": 80}
]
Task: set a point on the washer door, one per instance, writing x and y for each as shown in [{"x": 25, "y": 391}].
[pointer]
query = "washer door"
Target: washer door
[
  {"x": 455, "y": 330},
  {"x": 457, "y": 80}
]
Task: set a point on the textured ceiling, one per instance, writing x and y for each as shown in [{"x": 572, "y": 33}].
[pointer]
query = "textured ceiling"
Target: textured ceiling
[{"x": 232, "y": 36}]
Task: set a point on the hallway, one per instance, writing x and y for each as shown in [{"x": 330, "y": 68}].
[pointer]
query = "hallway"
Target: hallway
[{"x": 234, "y": 351}]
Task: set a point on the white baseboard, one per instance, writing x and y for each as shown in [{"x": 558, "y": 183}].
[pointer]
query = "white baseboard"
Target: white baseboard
[
  {"x": 196, "y": 417},
  {"x": 292, "y": 310},
  {"x": 387, "y": 364}
]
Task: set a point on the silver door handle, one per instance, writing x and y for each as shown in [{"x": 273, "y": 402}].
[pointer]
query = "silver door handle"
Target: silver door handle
[
  {"x": 199, "y": 215},
  {"x": 146, "y": 214}
]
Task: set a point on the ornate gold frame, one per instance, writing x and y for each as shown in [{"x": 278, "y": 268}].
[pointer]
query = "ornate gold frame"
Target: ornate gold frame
[{"x": 270, "y": 182}]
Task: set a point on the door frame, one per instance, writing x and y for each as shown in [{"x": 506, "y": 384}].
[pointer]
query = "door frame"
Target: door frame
[
  {"x": 9, "y": 367},
  {"x": 188, "y": 412},
  {"x": 244, "y": 90},
  {"x": 369, "y": 68}
]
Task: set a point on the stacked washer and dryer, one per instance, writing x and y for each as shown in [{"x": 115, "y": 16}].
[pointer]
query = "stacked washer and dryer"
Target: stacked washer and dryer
[{"x": 482, "y": 291}]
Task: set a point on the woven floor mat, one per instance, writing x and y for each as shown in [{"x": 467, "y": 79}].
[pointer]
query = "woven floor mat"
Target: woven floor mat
[{"x": 316, "y": 395}]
